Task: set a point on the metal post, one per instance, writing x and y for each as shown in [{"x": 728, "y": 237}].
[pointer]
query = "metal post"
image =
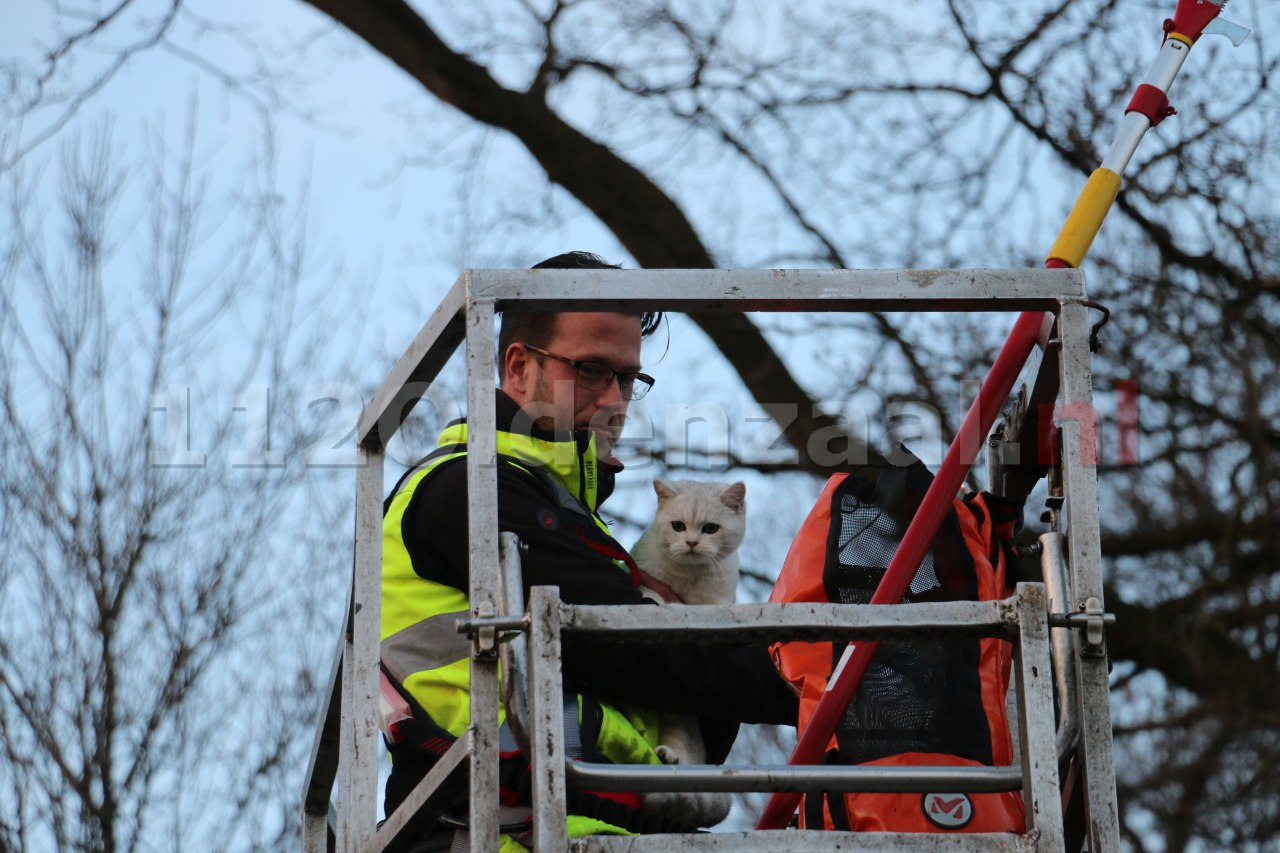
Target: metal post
[
  {"x": 318, "y": 789},
  {"x": 315, "y": 832},
  {"x": 1035, "y": 718},
  {"x": 361, "y": 745},
  {"x": 1057, "y": 581},
  {"x": 482, "y": 533},
  {"x": 1080, "y": 481},
  {"x": 547, "y": 723},
  {"x": 514, "y": 654}
]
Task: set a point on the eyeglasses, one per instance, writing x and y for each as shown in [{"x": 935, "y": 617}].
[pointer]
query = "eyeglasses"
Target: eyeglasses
[{"x": 594, "y": 376}]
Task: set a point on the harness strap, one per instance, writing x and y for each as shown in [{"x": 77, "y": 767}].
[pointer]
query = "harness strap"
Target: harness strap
[{"x": 813, "y": 800}]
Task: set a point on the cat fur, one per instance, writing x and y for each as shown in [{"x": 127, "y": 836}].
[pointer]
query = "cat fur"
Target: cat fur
[{"x": 700, "y": 565}]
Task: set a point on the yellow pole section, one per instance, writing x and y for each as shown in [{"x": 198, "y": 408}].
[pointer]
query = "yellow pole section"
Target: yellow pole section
[{"x": 1086, "y": 218}]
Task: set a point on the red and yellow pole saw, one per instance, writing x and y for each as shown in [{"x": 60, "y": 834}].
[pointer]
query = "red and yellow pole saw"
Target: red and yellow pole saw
[{"x": 1148, "y": 107}]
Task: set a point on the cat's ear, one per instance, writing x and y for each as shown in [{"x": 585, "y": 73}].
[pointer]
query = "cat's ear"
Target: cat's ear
[
  {"x": 735, "y": 497},
  {"x": 665, "y": 492}
]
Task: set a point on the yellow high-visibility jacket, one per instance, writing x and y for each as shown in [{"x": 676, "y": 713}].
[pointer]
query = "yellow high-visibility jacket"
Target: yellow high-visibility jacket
[{"x": 550, "y": 486}]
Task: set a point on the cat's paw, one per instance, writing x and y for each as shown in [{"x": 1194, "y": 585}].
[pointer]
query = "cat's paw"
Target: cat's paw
[
  {"x": 667, "y": 754},
  {"x": 712, "y": 808},
  {"x": 692, "y": 809}
]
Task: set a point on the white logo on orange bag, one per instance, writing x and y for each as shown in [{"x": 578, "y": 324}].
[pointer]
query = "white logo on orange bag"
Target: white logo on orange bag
[{"x": 949, "y": 811}]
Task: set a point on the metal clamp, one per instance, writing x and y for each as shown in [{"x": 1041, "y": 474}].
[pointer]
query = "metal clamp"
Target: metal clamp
[
  {"x": 1092, "y": 618},
  {"x": 485, "y": 636},
  {"x": 487, "y": 631},
  {"x": 1095, "y": 624}
]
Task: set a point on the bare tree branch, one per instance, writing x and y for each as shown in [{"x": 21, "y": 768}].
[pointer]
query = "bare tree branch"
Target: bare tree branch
[{"x": 652, "y": 227}]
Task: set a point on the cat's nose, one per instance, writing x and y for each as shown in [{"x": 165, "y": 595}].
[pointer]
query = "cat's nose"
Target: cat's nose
[{"x": 692, "y": 543}]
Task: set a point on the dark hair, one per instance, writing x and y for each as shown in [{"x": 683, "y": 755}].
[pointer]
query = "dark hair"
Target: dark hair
[{"x": 534, "y": 327}]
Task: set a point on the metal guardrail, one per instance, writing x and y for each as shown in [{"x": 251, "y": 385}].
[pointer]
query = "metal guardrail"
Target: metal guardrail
[
  {"x": 467, "y": 313},
  {"x": 795, "y": 841},
  {"x": 1026, "y": 612},
  {"x": 738, "y": 623}
]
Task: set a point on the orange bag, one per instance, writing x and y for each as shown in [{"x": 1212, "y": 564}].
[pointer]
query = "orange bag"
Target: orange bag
[{"x": 926, "y": 701}]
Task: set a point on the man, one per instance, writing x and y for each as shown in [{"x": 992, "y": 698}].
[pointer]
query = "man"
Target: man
[{"x": 566, "y": 383}]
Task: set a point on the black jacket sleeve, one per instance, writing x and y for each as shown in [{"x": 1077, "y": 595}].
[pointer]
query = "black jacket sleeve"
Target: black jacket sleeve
[{"x": 720, "y": 682}]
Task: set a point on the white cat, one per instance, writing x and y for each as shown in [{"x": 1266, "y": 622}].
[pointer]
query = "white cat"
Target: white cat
[{"x": 689, "y": 555}]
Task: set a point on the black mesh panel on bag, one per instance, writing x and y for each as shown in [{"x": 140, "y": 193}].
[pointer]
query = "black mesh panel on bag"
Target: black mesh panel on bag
[{"x": 919, "y": 695}]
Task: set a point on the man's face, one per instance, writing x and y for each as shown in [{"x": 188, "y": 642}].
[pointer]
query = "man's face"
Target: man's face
[{"x": 547, "y": 390}]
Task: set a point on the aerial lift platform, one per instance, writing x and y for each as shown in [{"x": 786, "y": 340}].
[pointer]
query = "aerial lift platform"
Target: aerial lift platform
[{"x": 1065, "y": 769}]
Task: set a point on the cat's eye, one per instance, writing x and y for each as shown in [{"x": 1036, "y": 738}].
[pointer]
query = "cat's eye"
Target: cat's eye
[
  {"x": 710, "y": 528},
  {"x": 677, "y": 526}
]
